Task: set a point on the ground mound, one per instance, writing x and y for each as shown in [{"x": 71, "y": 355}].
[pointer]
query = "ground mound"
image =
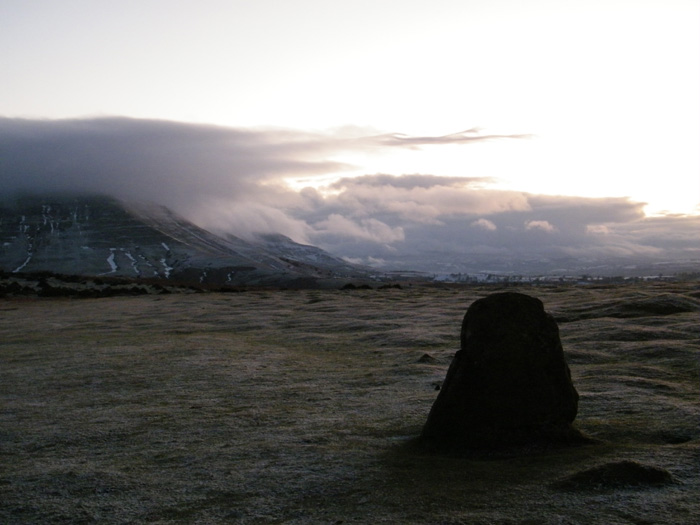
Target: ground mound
[{"x": 616, "y": 475}]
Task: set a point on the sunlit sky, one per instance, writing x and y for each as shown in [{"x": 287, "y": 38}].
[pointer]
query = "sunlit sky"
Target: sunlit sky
[{"x": 608, "y": 91}]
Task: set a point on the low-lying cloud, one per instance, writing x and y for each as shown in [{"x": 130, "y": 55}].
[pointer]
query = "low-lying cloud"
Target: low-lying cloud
[
  {"x": 470, "y": 135},
  {"x": 484, "y": 224},
  {"x": 544, "y": 226},
  {"x": 233, "y": 180}
]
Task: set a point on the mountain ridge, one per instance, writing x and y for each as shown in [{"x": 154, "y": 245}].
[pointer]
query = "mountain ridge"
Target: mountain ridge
[{"x": 97, "y": 235}]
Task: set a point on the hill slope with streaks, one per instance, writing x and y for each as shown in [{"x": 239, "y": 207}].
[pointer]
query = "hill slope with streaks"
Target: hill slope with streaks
[{"x": 94, "y": 235}]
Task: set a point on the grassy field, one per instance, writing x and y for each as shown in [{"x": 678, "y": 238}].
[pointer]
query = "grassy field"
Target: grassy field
[{"x": 304, "y": 407}]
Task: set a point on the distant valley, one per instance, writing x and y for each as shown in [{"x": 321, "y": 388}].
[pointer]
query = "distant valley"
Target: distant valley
[{"x": 102, "y": 237}]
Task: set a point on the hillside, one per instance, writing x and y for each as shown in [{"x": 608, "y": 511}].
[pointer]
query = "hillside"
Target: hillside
[{"x": 101, "y": 236}]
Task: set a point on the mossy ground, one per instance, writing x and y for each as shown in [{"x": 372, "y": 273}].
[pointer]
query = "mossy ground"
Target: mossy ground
[{"x": 304, "y": 407}]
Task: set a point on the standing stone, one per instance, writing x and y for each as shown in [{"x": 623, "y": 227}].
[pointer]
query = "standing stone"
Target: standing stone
[{"x": 509, "y": 384}]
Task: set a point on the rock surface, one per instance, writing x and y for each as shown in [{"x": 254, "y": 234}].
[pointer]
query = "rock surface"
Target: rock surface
[{"x": 509, "y": 385}]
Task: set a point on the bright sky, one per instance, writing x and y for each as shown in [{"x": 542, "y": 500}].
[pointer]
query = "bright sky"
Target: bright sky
[{"x": 608, "y": 89}]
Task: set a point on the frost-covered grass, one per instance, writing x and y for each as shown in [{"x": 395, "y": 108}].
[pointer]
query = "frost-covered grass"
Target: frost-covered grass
[{"x": 304, "y": 406}]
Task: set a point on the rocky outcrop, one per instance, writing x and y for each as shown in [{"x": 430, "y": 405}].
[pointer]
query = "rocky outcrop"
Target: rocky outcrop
[{"x": 509, "y": 384}]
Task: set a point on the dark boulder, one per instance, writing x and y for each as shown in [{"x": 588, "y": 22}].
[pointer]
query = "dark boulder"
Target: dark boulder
[{"x": 509, "y": 385}]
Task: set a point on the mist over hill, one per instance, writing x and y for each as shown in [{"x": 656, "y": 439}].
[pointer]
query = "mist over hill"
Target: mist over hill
[
  {"x": 234, "y": 183},
  {"x": 101, "y": 236}
]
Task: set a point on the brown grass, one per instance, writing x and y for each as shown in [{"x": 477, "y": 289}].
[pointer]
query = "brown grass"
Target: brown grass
[{"x": 303, "y": 407}]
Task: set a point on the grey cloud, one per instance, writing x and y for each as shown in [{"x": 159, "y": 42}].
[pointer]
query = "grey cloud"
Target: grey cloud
[
  {"x": 484, "y": 224},
  {"x": 420, "y": 198},
  {"x": 578, "y": 211},
  {"x": 365, "y": 229},
  {"x": 231, "y": 180},
  {"x": 544, "y": 226},
  {"x": 409, "y": 181},
  {"x": 224, "y": 178},
  {"x": 133, "y": 158},
  {"x": 664, "y": 233},
  {"x": 470, "y": 135},
  {"x": 206, "y": 173},
  {"x": 451, "y": 220}
]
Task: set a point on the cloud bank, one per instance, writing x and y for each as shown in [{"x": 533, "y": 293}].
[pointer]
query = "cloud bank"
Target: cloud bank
[{"x": 233, "y": 180}]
